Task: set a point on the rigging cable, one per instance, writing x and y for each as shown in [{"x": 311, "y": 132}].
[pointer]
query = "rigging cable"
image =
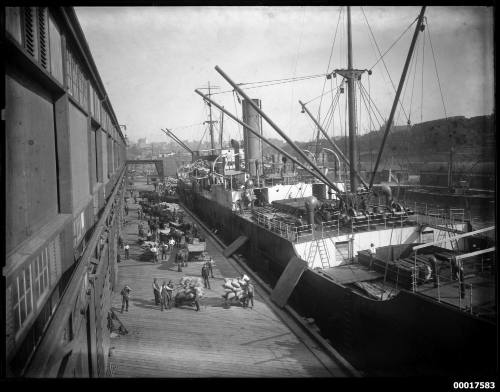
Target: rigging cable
[
  {"x": 435, "y": 67},
  {"x": 382, "y": 56},
  {"x": 412, "y": 66},
  {"x": 295, "y": 69},
  {"x": 375, "y": 106},
  {"x": 327, "y": 68},
  {"x": 273, "y": 83}
]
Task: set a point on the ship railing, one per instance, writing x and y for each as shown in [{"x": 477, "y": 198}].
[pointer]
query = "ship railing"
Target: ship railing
[
  {"x": 447, "y": 275},
  {"x": 427, "y": 213},
  {"x": 303, "y": 232},
  {"x": 369, "y": 222},
  {"x": 329, "y": 228},
  {"x": 284, "y": 229}
]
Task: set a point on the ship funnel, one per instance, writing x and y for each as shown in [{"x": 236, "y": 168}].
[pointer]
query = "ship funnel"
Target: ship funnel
[
  {"x": 253, "y": 144},
  {"x": 236, "y": 147}
]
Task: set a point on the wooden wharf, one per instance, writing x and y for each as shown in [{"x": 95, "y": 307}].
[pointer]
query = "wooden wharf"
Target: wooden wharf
[{"x": 216, "y": 341}]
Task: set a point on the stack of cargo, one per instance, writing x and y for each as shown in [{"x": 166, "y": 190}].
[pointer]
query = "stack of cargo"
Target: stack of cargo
[
  {"x": 234, "y": 289},
  {"x": 401, "y": 271},
  {"x": 187, "y": 288}
]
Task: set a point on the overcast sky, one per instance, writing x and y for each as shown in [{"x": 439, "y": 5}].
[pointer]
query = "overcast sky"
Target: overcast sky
[{"x": 151, "y": 59}]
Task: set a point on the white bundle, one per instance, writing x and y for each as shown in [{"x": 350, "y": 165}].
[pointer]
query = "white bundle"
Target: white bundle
[
  {"x": 228, "y": 286},
  {"x": 230, "y": 295},
  {"x": 190, "y": 281},
  {"x": 235, "y": 284},
  {"x": 199, "y": 292}
]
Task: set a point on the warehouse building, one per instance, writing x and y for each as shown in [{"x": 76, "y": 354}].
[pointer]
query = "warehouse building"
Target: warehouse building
[{"x": 65, "y": 162}]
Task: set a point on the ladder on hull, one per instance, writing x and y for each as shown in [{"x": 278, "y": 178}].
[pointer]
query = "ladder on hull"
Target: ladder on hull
[{"x": 319, "y": 246}]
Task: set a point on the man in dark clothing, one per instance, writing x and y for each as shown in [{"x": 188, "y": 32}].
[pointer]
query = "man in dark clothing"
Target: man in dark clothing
[
  {"x": 210, "y": 264},
  {"x": 125, "y": 297},
  {"x": 196, "y": 300},
  {"x": 249, "y": 294},
  {"x": 164, "y": 297},
  {"x": 178, "y": 260},
  {"x": 435, "y": 269},
  {"x": 458, "y": 273},
  {"x": 163, "y": 251},
  {"x": 156, "y": 291},
  {"x": 205, "y": 276}
]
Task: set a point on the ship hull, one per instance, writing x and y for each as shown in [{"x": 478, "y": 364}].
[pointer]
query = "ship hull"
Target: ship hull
[{"x": 406, "y": 335}]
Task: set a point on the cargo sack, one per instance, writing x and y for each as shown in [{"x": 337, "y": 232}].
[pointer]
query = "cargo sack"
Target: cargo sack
[{"x": 235, "y": 284}]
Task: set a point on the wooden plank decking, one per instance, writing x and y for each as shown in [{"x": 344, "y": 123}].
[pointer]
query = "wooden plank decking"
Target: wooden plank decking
[{"x": 214, "y": 342}]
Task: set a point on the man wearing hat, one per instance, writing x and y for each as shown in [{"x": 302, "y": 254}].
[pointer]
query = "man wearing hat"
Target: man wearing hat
[{"x": 125, "y": 297}]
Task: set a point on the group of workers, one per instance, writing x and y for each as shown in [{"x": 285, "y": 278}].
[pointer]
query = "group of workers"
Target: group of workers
[{"x": 163, "y": 294}]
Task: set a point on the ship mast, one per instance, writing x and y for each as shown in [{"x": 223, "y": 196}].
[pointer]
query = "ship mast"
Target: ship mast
[
  {"x": 353, "y": 152},
  {"x": 351, "y": 75},
  {"x": 210, "y": 122}
]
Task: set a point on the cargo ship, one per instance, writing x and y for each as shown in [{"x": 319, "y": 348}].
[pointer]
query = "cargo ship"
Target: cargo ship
[{"x": 396, "y": 289}]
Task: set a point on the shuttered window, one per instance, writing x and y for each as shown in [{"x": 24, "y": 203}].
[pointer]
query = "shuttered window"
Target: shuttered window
[
  {"x": 43, "y": 29},
  {"x": 30, "y": 34}
]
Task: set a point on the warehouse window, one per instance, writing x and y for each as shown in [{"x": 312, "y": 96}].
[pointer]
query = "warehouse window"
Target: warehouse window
[
  {"x": 23, "y": 298},
  {"x": 78, "y": 227},
  {"x": 40, "y": 269}
]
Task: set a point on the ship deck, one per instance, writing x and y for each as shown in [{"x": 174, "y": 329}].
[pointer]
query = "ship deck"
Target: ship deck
[
  {"x": 214, "y": 342},
  {"x": 480, "y": 300}
]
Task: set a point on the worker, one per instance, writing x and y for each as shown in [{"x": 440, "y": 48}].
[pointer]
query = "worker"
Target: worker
[
  {"x": 156, "y": 291},
  {"x": 249, "y": 291},
  {"x": 373, "y": 251},
  {"x": 170, "y": 291},
  {"x": 196, "y": 300},
  {"x": 164, "y": 248},
  {"x": 164, "y": 296},
  {"x": 125, "y": 297},
  {"x": 178, "y": 260},
  {"x": 435, "y": 269},
  {"x": 126, "y": 247},
  {"x": 457, "y": 270},
  {"x": 205, "y": 276},
  {"x": 154, "y": 251}
]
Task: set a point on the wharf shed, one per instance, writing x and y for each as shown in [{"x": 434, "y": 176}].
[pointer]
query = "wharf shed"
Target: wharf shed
[{"x": 65, "y": 164}]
